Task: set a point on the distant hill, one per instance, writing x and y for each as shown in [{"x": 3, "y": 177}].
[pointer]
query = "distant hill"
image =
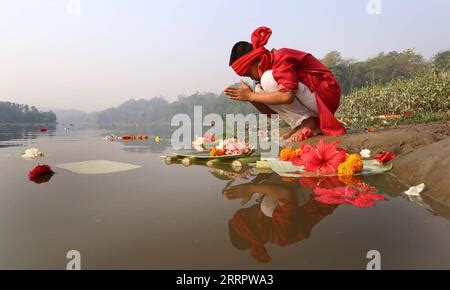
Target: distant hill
[
  {"x": 158, "y": 111},
  {"x": 68, "y": 116},
  {"x": 16, "y": 113}
]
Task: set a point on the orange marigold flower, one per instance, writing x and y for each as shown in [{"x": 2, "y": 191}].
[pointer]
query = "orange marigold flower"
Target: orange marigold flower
[
  {"x": 351, "y": 166},
  {"x": 216, "y": 152},
  {"x": 289, "y": 153}
]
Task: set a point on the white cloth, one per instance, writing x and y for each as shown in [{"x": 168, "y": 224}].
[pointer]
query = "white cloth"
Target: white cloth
[{"x": 303, "y": 107}]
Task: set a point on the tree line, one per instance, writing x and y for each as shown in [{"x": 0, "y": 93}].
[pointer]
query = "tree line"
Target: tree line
[
  {"x": 17, "y": 113},
  {"x": 383, "y": 68}
]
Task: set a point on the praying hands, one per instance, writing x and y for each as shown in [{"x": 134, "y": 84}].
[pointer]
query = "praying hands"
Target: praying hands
[{"x": 243, "y": 93}]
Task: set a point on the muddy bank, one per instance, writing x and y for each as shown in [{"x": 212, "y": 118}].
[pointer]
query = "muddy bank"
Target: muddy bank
[{"x": 423, "y": 154}]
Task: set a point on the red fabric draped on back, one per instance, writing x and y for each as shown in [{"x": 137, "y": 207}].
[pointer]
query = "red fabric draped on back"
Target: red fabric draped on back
[{"x": 293, "y": 66}]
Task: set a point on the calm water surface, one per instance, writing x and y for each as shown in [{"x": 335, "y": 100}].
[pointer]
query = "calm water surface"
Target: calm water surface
[{"x": 173, "y": 217}]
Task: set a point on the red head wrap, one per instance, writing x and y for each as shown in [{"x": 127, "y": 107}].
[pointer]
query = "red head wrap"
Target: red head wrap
[{"x": 260, "y": 37}]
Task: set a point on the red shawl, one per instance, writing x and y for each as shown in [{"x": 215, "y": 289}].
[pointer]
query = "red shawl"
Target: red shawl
[{"x": 291, "y": 67}]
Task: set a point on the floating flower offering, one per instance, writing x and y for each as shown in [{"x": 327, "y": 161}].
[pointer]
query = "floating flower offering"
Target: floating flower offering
[
  {"x": 384, "y": 157},
  {"x": 40, "y": 170},
  {"x": 328, "y": 159},
  {"x": 32, "y": 153},
  {"x": 365, "y": 153},
  {"x": 231, "y": 146},
  {"x": 351, "y": 166}
]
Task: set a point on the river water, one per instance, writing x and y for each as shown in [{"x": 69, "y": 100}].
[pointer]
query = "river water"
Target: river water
[{"x": 163, "y": 216}]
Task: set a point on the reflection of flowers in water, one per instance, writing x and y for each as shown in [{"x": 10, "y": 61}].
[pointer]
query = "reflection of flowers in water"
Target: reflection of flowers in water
[
  {"x": 41, "y": 178},
  {"x": 230, "y": 175},
  {"x": 342, "y": 189},
  {"x": 361, "y": 195}
]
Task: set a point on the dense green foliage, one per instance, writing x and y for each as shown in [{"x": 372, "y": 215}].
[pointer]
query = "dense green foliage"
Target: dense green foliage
[
  {"x": 381, "y": 69},
  {"x": 15, "y": 113},
  {"x": 422, "y": 98}
]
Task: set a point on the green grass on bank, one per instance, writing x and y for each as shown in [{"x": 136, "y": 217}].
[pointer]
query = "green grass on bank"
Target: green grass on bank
[{"x": 421, "y": 99}]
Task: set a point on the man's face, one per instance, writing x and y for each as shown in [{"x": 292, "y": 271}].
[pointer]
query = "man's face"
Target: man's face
[{"x": 253, "y": 72}]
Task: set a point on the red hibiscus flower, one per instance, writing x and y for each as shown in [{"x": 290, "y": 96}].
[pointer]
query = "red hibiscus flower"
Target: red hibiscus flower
[
  {"x": 324, "y": 159},
  {"x": 384, "y": 157},
  {"x": 361, "y": 195},
  {"x": 40, "y": 170}
]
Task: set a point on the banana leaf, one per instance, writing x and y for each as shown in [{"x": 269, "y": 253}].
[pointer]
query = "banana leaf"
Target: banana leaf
[
  {"x": 206, "y": 156},
  {"x": 286, "y": 169}
]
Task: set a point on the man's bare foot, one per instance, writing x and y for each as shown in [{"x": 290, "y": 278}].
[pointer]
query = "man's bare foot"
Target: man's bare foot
[
  {"x": 289, "y": 133},
  {"x": 310, "y": 128}
]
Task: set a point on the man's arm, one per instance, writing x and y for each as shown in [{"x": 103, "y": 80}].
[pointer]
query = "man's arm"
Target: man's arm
[
  {"x": 275, "y": 98},
  {"x": 245, "y": 93}
]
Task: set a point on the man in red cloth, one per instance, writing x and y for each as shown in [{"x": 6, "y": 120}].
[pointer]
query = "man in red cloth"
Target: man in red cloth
[{"x": 291, "y": 83}]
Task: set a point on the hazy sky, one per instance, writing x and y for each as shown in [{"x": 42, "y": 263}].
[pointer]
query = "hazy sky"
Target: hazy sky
[{"x": 56, "y": 53}]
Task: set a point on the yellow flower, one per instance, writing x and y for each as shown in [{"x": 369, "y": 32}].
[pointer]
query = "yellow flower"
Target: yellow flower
[
  {"x": 289, "y": 153},
  {"x": 351, "y": 166},
  {"x": 216, "y": 152}
]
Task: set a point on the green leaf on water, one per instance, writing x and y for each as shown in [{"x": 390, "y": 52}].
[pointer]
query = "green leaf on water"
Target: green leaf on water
[{"x": 286, "y": 169}]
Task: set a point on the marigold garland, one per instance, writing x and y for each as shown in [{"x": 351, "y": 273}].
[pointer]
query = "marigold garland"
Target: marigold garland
[
  {"x": 351, "y": 166},
  {"x": 289, "y": 153},
  {"x": 216, "y": 152}
]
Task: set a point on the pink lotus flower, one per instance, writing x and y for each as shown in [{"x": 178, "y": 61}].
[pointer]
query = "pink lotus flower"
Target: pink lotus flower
[
  {"x": 361, "y": 195},
  {"x": 324, "y": 159},
  {"x": 235, "y": 147},
  {"x": 209, "y": 138}
]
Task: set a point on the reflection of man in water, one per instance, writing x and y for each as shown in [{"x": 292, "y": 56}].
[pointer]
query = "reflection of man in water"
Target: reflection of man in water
[{"x": 284, "y": 214}]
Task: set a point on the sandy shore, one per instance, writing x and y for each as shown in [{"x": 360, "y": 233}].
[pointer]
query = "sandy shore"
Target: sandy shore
[{"x": 423, "y": 154}]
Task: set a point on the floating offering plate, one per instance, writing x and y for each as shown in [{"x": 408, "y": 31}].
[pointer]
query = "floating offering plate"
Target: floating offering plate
[
  {"x": 206, "y": 156},
  {"x": 286, "y": 169}
]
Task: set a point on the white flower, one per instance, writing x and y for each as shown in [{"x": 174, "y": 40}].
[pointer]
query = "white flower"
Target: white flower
[
  {"x": 32, "y": 153},
  {"x": 415, "y": 190},
  {"x": 198, "y": 144},
  {"x": 365, "y": 153},
  {"x": 220, "y": 145}
]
